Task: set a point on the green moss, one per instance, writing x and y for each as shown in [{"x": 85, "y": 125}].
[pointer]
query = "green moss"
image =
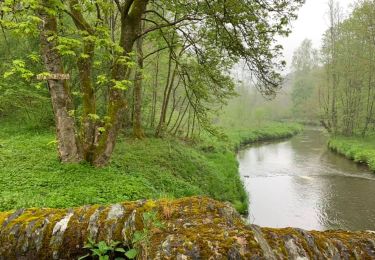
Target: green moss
[
  {"x": 199, "y": 223},
  {"x": 4, "y": 216}
]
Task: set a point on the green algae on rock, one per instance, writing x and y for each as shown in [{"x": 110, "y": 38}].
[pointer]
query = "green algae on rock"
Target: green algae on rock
[{"x": 194, "y": 228}]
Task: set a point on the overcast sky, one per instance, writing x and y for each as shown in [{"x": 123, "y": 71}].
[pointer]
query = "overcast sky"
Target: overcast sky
[{"x": 311, "y": 24}]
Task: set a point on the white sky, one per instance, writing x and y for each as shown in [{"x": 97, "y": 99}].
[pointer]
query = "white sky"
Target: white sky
[{"x": 312, "y": 22}]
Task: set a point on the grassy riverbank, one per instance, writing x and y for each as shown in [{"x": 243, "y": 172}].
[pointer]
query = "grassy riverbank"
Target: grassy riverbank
[
  {"x": 361, "y": 150},
  {"x": 31, "y": 176}
]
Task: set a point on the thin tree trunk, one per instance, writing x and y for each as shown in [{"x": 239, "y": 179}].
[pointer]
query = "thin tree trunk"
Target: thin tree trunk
[
  {"x": 193, "y": 126},
  {"x": 182, "y": 118},
  {"x": 179, "y": 115},
  {"x": 160, "y": 127},
  {"x": 174, "y": 105},
  {"x": 188, "y": 124},
  {"x": 155, "y": 93},
  {"x": 137, "y": 123}
]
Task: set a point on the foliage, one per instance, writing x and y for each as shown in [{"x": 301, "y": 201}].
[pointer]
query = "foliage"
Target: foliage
[
  {"x": 141, "y": 240},
  {"x": 106, "y": 252},
  {"x": 94, "y": 42},
  {"x": 270, "y": 131},
  {"x": 249, "y": 109},
  {"x": 348, "y": 92},
  {"x": 304, "y": 93}
]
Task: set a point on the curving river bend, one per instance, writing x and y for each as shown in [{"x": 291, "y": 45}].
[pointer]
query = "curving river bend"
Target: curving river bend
[{"x": 300, "y": 183}]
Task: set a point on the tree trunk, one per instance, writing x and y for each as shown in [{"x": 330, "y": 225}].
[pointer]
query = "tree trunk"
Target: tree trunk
[
  {"x": 160, "y": 127},
  {"x": 194, "y": 228},
  {"x": 137, "y": 123},
  {"x": 68, "y": 143},
  {"x": 130, "y": 25},
  {"x": 155, "y": 93},
  {"x": 84, "y": 64}
]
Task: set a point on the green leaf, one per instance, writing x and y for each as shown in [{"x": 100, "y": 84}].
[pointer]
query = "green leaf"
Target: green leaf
[
  {"x": 131, "y": 254},
  {"x": 19, "y": 63},
  {"x": 94, "y": 117},
  {"x": 53, "y": 143},
  {"x": 138, "y": 236},
  {"x": 85, "y": 56},
  {"x": 103, "y": 247},
  {"x": 101, "y": 129},
  {"x": 120, "y": 249},
  {"x": 97, "y": 252},
  {"x": 113, "y": 244},
  {"x": 7, "y": 74},
  {"x": 121, "y": 84}
]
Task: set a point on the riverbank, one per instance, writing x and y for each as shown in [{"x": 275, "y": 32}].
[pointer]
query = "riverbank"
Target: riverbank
[
  {"x": 31, "y": 175},
  {"x": 361, "y": 150},
  {"x": 274, "y": 131}
]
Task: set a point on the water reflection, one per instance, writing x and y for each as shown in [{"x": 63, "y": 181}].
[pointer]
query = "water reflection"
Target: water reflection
[{"x": 301, "y": 183}]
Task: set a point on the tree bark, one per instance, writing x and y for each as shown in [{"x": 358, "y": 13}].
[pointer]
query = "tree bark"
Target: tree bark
[
  {"x": 68, "y": 143},
  {"x": 84, "y": 64},
  {"x": 137, "y": 125},
  {"x": 130, "y": 25},
  {"x": 95, "y": 146},
  {"x": 155, "y": 92},
  {"x": 194, "y": 228},
  {"x": 160, "y": 127}
]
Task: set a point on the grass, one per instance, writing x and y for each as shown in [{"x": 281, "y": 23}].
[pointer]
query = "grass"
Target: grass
[
  {"x": 31, "y": 175},
  {"x": 271, "y": 131},
  {"x": 361, "y": 150}
]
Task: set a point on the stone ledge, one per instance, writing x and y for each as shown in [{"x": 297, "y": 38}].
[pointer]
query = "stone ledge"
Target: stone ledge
[{"x": 194, "y": 228}]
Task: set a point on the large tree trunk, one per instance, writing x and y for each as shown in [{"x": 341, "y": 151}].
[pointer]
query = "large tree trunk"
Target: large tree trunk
[
  {"x": 68, "y": 143},
  {"x": 194, "y": 228},
  {"x": 130, "y": 30},
  {"x": 84, "y": 64},
  {"x": 96, "y": 146}
]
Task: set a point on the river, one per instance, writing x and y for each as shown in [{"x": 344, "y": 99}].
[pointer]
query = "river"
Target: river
[{"x": 300, "y": 183}]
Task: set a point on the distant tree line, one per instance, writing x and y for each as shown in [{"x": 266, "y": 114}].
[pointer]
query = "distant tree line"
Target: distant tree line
[
  {"x": 337, "y": 85},
  {"x": 348, "y": 95}
]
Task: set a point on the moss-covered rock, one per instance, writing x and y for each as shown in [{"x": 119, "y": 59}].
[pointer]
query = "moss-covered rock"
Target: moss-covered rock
[{"x": 194, "y": 228}]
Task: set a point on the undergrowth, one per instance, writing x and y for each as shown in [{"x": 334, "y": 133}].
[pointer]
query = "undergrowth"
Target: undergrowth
[{"x": 32, "y": 176}]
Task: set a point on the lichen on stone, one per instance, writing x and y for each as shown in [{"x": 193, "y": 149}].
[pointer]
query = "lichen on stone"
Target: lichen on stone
[{"x": 194, "y": 228}]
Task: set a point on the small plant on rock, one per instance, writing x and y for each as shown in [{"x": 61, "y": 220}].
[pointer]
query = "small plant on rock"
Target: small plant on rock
[
  {"x": 142, "y": 238},
  {"x": 104, "y": 251}
]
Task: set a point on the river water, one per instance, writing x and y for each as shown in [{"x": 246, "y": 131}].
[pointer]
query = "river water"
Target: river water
[{"x": 300, "y": 183}]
